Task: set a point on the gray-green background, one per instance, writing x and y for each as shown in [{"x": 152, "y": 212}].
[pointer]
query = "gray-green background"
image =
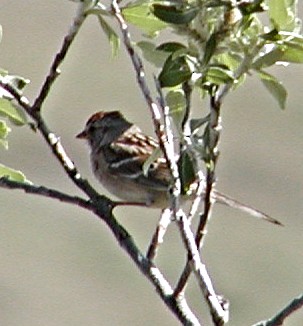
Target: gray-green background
[{"x": 60, "y": 266}]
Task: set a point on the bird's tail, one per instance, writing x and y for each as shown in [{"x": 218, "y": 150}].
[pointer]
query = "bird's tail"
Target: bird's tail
[{"x": 228, "y": 201}]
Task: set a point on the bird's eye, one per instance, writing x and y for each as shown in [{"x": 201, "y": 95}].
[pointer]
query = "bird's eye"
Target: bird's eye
[{"x": 92, "y": 128}]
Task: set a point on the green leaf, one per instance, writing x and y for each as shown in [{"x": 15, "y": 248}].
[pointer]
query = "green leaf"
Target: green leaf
[
  {"x": 284, "y": 47},
  {"x": 14, "y": 114},
  {"x": 293, "y": 55},
  {"x": 283, "y": 14},
  {"x": 12, "y": 174},
  {"x": 142, "y": 17},
  {"x": 176, "y": 101},
  {"x": 292, "y": 47},
  {"x": 218, "y": 75},
  {"x": 4, "y": 130},
  {"x": 186, "y": 171},
  {"x": 175, "y": 71},
  {"x": 195, "y": 124},
  {"x": 275, "y": 88},
  {"x": 175, "y": 15},
  {"x": 268, "y": 59},
  {"x": 210, "y": 48},
  {"x": 273, "y": 35},
  {"x": 171, "y": 47},
  {"x": 113, "y": 38},
  {"x": 152, "y": 54},
  {"x": 230, "y": 60}
]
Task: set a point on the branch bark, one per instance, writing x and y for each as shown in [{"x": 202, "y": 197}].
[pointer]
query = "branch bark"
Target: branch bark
[{"x": 280, "y": 317}]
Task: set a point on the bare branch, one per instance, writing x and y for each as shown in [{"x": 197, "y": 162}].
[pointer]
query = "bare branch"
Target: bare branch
[
  {"x": 279, "y": 319},
  {"x": 53, "y": 142},
  {"x": 172, "y": 156},
  {"x": 218, "y": 308},
  {"x": 180, "y": 287},
  {"x": 158, "y": 236},
  {"x": 54, "y": 69},
  {"x": 45, "y": 192}
]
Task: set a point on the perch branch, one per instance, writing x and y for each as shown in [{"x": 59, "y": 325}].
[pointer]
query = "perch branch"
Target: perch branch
[
  {"x": 178, "y": 306},
  {"x": 45, "y": 192}
]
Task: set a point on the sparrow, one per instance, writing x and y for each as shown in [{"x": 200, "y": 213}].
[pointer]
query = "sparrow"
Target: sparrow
[{"x": 118, "y": 151}]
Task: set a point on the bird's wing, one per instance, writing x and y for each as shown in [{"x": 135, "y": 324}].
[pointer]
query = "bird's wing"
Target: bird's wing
[{"x": 127, "y": 156}]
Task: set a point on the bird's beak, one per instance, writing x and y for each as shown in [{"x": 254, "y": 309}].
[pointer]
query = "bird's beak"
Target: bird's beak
[{"x": 82, "y": 135}]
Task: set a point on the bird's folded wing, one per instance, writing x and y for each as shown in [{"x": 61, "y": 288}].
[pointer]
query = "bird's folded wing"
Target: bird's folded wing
[{"x": 130, "y": 165}]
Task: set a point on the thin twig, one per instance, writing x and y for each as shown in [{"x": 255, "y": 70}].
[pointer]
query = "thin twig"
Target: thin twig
[
  {"x": 140, "y": 73},
  {"x": 158, "y": 236},
  {"x": 219, "y": 311},
  {"x": 54, "y": 69},
  {"x": 280, "y": 317},
  {"x": 45, "y": 192},
  {"x": 181, "y": 284},
  {"x": 171, "y": 154}
]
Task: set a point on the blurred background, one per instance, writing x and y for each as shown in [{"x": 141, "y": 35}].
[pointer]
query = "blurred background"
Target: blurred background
[{"x": 61, "y": 266}]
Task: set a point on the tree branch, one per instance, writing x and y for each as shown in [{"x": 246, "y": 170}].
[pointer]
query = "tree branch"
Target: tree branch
[
  {"x": 158, "y": 236},
  {"x": 218, "y": 308},
  {"x": 45, "y": 192},
  {"x": 54, "y": 69},
  {"x": 279, "y": 319}
]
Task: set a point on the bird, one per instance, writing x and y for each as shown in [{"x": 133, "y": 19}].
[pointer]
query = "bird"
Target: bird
[{"x": 118, "y": 151}]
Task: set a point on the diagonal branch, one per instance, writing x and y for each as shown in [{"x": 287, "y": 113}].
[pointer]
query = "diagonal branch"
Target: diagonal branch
[
  {"x": 54, "y": 69},
  {"x": 279, "y": 319},
  {"x": 217, "y": 306},
  {"x": 158, "y": 236}
]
